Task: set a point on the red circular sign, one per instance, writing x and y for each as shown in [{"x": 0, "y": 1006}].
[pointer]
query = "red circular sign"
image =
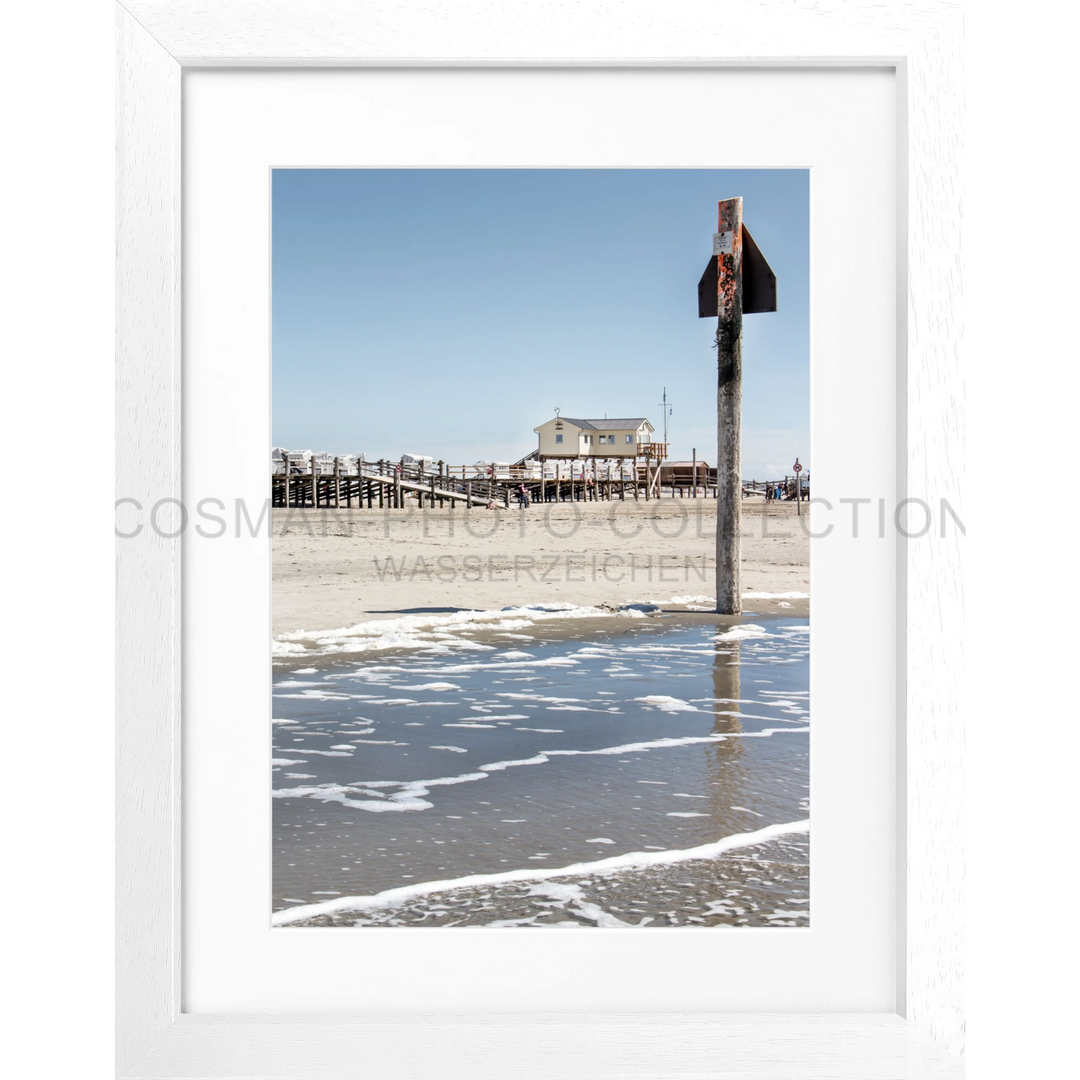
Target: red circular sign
[{"x": 797, "y": 467}]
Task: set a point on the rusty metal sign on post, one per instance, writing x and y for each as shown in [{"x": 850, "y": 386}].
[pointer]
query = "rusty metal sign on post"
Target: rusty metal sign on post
[
  {"x": 759, "y": 281},
  {"x": 737, "y": 281}
]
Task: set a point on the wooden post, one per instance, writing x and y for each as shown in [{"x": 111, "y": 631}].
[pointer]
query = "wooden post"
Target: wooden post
[
  {"x": 287, "y": 478},
  {"x": 314, "y": 482},
  {"x": 695, "y": 472},
  {"x": 729, "y": 409},
  {"x": 337, "y": 482}
]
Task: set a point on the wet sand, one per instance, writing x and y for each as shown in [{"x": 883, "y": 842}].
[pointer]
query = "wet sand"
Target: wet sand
[
  {"x": 769, "y": 886},
  {"x": 620, "y": 750}
]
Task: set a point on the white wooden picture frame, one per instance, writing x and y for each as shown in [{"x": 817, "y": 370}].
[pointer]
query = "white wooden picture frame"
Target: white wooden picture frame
[{"x": 156, "y": 40}]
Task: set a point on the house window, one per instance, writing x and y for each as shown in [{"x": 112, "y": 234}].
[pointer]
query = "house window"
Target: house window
[
  {"x": 629, "y": 438},
  {"x": 558, "y": 438},
  {"x": 588, "y": 439}
]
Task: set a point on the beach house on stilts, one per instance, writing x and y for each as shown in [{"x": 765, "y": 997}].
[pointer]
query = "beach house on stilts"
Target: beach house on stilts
[{"x": 621, "y": 437}]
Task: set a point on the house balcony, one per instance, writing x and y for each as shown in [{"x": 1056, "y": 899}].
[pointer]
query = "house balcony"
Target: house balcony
[{"x": 654, "y": 451}]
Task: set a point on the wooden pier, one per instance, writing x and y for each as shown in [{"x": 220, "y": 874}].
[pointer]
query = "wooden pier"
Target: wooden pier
[{"x": 397, "y": 484}]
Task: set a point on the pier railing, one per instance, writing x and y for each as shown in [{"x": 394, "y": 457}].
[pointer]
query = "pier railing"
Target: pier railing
[{"x": 321, "y": 480}]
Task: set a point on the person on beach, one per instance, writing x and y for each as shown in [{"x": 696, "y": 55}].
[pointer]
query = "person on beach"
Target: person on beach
[{"x": 523, "y": 496}]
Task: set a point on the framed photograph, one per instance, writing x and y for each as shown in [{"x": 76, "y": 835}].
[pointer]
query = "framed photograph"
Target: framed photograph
[{"x": 487, "y": 723}]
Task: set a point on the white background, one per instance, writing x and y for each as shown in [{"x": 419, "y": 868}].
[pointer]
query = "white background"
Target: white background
[{"x": 238, "y": 125}]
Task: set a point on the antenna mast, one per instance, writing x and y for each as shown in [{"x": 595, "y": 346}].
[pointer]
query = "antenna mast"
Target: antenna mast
[{"x": 665, "y": 405}]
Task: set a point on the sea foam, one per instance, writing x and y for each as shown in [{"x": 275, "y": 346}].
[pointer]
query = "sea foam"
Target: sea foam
[{"x": 632, "y": 860}]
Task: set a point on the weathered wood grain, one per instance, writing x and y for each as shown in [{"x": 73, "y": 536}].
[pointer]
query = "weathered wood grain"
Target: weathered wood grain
[
  {"x": 931, "y": 463},
  {"x": 147, "y": 565},
  {"x": 540, "y": 1046},
  {"x": 729, "y": 305}
]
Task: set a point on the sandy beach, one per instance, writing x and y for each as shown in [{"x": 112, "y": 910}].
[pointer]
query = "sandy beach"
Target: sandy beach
[
  {"x": 336, "y": 568},
  {"x": 534, "y": 718}
]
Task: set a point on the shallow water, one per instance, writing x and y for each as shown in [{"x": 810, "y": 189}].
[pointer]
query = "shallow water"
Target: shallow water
[{"x": 653, "y": 736}]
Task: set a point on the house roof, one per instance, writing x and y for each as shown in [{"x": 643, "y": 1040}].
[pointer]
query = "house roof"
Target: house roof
[{"x": 631, "y": 423}]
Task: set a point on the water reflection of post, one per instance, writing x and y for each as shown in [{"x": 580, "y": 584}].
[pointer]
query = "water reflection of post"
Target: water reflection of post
[
  {"x": 726, "y": 775},
  {"x": 726, "y": 684}
]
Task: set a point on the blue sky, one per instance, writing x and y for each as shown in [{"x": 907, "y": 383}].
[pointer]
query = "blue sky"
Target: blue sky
[{"x": 449, "y": 312}]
